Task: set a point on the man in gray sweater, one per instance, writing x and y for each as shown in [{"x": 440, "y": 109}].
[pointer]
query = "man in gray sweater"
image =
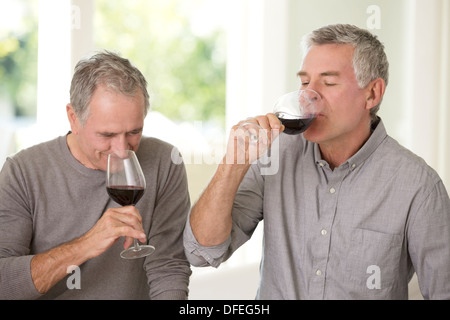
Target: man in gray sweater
[{"x": 60, "y": 234}]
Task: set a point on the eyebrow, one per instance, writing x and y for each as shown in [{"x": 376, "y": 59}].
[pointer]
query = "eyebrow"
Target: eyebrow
[
  {"x": 106, "y": 133},
  {"x": 323, "y": 74}
]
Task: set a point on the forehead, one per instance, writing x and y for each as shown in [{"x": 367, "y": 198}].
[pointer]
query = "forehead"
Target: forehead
[
  {"x": 328, "y": 58},
  {"x": 107, "y": 97},
  {"x": 110, "y": 106}
]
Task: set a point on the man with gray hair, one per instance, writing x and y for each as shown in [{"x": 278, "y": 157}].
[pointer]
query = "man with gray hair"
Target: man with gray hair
[
  {"x": 350, "y": 214},
  {"x": 59, "y": 230}
]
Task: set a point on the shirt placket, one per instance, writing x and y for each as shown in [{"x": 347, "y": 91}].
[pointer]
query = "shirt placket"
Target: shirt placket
[{"x": 322, "y": 231}]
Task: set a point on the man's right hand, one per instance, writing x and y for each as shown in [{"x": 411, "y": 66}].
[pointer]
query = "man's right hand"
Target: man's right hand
[
  {"x": 49, "y": 267},
  {"x": 114, "y": 224},
  {"x": 240, "y": 151}
]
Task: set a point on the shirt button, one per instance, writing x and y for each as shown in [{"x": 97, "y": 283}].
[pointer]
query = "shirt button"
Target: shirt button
[
  {"x": 353, "y": 166},
  {"x": 319, "y": 272},
  {"x": 332, "y": 190},
  {"x": 323, "y": 232}
]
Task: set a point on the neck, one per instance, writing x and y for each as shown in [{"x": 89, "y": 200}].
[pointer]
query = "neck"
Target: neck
[{"x": 338, "y": 152}]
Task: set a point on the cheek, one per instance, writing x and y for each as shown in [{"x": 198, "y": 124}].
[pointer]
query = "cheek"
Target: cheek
[
  {"x": 103, "y": 161},
  {"x": 347, "y": 103},
  {"x": 98, "y": 147},
  {"x": 134, "y": 141},
  {"x": 98, "y": 144}
]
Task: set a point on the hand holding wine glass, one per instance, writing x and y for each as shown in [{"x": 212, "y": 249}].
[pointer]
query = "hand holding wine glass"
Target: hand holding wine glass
[
  {"x": 125, "y": 184},
  {"x": 295, "y": 110},
  {"x": 251, "y": 141}
]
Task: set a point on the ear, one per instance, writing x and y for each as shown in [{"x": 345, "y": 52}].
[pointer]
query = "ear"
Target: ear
[
  {"x": 73, "y": 119},
  {"x": 375, "y": 92}
]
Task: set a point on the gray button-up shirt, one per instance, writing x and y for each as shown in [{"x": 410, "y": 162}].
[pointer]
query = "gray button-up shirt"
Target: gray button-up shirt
[{"x": 359, "y": 231}]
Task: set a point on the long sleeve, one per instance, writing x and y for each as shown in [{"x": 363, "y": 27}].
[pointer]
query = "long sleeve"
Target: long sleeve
[
  {"x": 246, "y": 213},
  {"x": 429, "y": 237},
  {"x": 168, "y": 270},
  {"x": 15, "y": 237},
  {"x": 201, "y": 256}
]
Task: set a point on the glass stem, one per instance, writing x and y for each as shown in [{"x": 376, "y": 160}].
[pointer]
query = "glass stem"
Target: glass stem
[{"x": 136, "y": 245}]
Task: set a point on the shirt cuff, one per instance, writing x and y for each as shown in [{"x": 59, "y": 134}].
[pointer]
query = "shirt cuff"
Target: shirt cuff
[
  {"x": 18, "y": 284},
  {"x": 171, "y": 295},
  {"x": 201, "y": 256}
]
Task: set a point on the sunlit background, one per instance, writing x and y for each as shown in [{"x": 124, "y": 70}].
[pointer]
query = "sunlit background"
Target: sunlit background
[{"x": 211, "y": 63}]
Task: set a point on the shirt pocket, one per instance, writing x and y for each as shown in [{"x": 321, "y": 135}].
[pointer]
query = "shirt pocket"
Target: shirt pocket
[{"x": 374, "y": 255}]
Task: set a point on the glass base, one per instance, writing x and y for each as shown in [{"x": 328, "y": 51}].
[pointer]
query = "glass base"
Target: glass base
[{"x": 137, "y": 252}]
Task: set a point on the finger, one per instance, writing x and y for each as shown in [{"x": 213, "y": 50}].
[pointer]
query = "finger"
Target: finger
[
  {"x": 274, "y": 122},
  {"x": 129, "y": 232},
  {"x": 269, "y": 123},
  {"x": 125, "y": 224},
  {"x": 128, "y": 242},
  {"x": 130, "y": 210},
  {"x": 129, "y": 215}
]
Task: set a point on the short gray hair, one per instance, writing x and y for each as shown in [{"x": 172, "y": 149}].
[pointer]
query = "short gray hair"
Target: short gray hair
[
  {"x": 369, "y": 61},
  {"x": 109, "y": 69}
]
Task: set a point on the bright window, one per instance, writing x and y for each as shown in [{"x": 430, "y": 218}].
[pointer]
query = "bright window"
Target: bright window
[
  {"x": 18, "y": 69},
  {"x": 179, "y": 45}
]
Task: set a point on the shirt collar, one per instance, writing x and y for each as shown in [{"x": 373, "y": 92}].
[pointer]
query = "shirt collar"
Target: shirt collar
[{"x": 376, "y": 138}]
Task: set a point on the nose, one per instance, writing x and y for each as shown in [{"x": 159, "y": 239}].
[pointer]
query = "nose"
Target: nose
[
  {"x": 310, "y": 95},
  {"x": 119, "y": 145},
  {"x": 310, "y": 101},
  {"x": 311, "y": 87}
]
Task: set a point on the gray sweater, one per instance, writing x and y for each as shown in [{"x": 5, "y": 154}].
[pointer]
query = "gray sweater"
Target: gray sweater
[{"x": 48, "y": 198}]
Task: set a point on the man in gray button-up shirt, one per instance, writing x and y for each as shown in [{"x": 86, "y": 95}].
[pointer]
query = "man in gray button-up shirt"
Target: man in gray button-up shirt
[{"x": 348, "y": 212}]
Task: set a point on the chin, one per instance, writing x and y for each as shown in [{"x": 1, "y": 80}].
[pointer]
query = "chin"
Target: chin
[
  {"x": 314, "y": 133},
  {"x": 311, "y": 135}
]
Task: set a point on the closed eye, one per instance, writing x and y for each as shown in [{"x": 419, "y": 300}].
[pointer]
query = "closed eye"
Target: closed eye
[
  {"x": 135, "y": 132},
  {"x": 107, "y": 134}
]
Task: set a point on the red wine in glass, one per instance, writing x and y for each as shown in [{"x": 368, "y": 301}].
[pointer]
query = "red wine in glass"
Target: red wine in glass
[
  {"x": 125, "y": 184},
  {"x": 125, "y": 195},
  {"x": 296, "y": 125}
]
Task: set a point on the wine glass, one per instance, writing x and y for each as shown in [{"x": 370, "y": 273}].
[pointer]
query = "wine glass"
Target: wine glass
[
  {"x": 125, "y": 184},
  {"x": 297, "y": 110}
]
